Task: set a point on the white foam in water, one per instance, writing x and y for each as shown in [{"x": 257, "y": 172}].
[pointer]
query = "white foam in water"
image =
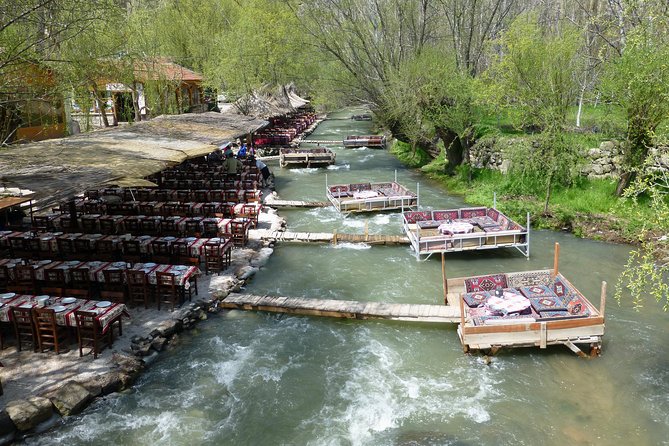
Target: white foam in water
[
  {"x": 354, "y": 223},
  {"x": 227, "y": 371},
  {"x": 305, "y": 170},
  {"x": 381, "y": 219},
  {"x": 339, "y": 166},
  {"x": 347, "y": 245}
]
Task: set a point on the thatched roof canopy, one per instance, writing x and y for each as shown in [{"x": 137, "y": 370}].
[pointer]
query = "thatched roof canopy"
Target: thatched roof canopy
[{"x": 59, "y": 169}]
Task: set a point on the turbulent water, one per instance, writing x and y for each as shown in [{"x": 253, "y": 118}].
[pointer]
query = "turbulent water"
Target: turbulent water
[{"x": 265, "y": 379}]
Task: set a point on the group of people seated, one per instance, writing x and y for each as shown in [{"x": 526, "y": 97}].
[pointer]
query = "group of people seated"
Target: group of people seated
[{"x": 234, "y": 163}]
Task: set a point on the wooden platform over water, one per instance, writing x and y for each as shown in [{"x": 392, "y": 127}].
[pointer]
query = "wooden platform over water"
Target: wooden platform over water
[
  {"x": 296, "y": 204},
  {"x": 344, "y": 308},
  {"x": 326, "y": 237}
]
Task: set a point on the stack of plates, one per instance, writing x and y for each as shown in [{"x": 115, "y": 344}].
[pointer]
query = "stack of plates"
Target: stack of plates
[
  {"x": 103, "y": 304},
  {"x": 69, "y": 300}
]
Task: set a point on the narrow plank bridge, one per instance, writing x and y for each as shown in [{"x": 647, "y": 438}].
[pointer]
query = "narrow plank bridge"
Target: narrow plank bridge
[
  {"x": 295, "y": 203},
  {"x": 349, "y": 309},
  {"x": 326, "y": 237}
]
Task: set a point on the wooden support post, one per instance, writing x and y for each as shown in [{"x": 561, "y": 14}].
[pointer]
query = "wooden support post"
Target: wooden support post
[
  {"x": 366, "y": 230},
  {"x": 602, "y": 302},
  {"x": 556, "y": 259},
  {"x": 334, "y": 238},
  {"x": 462, "y": 323},
  {"x": 443, "y": 277}
]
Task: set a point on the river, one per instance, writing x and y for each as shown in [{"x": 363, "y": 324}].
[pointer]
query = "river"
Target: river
[{"x": 245, "y": 378}]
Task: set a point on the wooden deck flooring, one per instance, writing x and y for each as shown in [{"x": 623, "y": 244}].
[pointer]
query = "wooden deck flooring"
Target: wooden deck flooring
[{"x": 344, "y": 308}]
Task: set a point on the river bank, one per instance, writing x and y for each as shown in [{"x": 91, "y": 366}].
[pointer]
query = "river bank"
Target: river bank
[{"x": 41, "y": 388}]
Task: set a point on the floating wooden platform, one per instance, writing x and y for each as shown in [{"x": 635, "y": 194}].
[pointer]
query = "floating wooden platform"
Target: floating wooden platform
[
  {"x": 370, "y": 197},
  {"x": 326, "y": 237},
  {"x": 344, "y": 308},
  {"x": 322, "y": 141},
  {"x": 269, "y": 158},
  {"x": 318, "y": 157}
]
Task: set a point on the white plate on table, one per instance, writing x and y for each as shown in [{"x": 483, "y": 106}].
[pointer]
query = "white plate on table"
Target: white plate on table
[
  {"x": 191, "y": 239},
  {"x": 119, "y": 264},
  {"x": 26, "y": 306},
  {"x": 144, "y": 237},
  {"x": 69, "y": 300},
  {"x": 42, "y": 296},
  {"x": 169, "y": 239},
  {"x": 103, "y": 304},
  {"x": 180, "y": 267},
  {"x": 150, "y": 265},
  {"x": 7, "y": 295},
  {"x": 59, "y": 308},
  {"x": 72, "y": 262}
]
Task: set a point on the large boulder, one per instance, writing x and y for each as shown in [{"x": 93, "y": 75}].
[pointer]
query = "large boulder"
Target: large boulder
[
  {"x": 27, "y": 414},
  {"x": 104, "y": 384},
  {"x": 71, "y": 398}
]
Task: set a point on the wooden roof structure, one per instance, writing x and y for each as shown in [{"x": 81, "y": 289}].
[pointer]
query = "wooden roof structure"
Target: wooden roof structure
[{"x": 59, "y": 169}]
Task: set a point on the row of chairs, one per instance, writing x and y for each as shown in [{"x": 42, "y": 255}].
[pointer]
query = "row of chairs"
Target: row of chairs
[
  {"x": 37, "y": 328},
  {"x": 121, "y": 286},
  {"x": 181, "y": 195},
  {"x": 217, "y": 257},
  {"x": 109, "y": 225}
]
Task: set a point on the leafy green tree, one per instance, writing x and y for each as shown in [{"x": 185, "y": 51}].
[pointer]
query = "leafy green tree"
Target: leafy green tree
[
  {"x": 534, "y": 76},
  {"x": 647, "y": 267},
  {"x": 638, "y": 81}
]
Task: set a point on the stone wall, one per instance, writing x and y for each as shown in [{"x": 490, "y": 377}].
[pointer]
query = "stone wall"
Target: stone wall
[{"x": 601, "y": 162}]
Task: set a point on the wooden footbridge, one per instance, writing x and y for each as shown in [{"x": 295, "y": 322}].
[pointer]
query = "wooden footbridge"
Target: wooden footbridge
[
  {"x": 327, "y": 237},
  {"x": 349, "y": 309},
  {"x": 322, "y": 141},
  {"x": 296, "y": 203}
]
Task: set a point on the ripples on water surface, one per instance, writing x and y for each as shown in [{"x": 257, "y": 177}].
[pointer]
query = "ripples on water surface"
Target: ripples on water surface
[{"x": 262, "y": 379}]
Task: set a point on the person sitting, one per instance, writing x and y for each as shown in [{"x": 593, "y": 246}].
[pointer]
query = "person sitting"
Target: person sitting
[{"x": 232, "y": 165}]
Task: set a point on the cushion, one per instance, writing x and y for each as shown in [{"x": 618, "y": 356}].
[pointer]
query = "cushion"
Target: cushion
[
  {"x": 503, "y": 222},
  {"x": 357, "y": 187},
  {"x": 446, "y": 215},
  {"x": 476, "y": 298},
  {"x": 528, "y": 278},
  {"x": 560, "y": 288},
  {"x": 414, "y": 216},
  {"x": 472, "y": 212},
  {"x": 537, "y": 291},
  {"x": 485, "y": 283},
  {"x": 548, "y": 303},
  {"x": 492, "y": 213}
]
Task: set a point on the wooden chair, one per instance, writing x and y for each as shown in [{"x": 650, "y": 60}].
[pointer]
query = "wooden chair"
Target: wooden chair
[
  {"x": 107, "y": 225},
  {"x": 106, "y": 250},
  {"x": 138, "y": 288},
  {"x": 89, "y": 333},
  {"x": 147, "y": 208},
  {"x": 184, "y": 209},
  {"x": 160, "y": 252},
  {"x": 169, "y": 209},
  {"x": 169, "y": 227},
  {"x": 89, "y": 225},
  {"x": 84, "y": 248},
  {"x": 18, "y": 248},
  {"x": 54, "y": 278},
  {"x": 80, "y": 280},
  {"x": 210, "y": 228},
  {"x": 132, "y": 251},
  {"x": 24, "y": 276},
  {"x": 149, "y": 226},
  {"x": 42, "y": 223},
  {"x": 231, "y": 196},
  {"x": 181, "y": 255},
  {"x": 143, "y": 195},
  {"x": 90, "y": 207},
  {"x": 114, "y": 280},
  {"x": 167, "y": 290},
  {"x": 161, "y": 195},
  {"x": 209, "y": 210},
  {"x": 24, "y": 327},
  {"x": 33, "y": 247},
  {"x": 201, "y": 196},
  {"x": 66, "y": 249},
  {"x": 183, "y": 195},
  {"x": 193, "y": 228},
  {"x": 214, "y": 258},
  {"x": 4, "y": 278},
  {"x": 49, "y": 334},
  {"x": 129, "y": 208},
  {"x": 131, "y": 225}
]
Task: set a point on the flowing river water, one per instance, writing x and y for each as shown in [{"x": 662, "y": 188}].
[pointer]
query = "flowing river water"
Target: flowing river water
[{"x": 245, "y": 378}]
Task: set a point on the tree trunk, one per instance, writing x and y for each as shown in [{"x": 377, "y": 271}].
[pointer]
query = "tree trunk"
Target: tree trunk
[
  {"x": 135, "y": 102},
  {"x": 453, "y": 147},
  {"x": 624, "y": 182},
  {"x": 101, "y": 105}
]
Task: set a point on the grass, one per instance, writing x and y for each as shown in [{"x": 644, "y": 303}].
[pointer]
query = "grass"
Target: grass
[{"x": 580, "y": 208}]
